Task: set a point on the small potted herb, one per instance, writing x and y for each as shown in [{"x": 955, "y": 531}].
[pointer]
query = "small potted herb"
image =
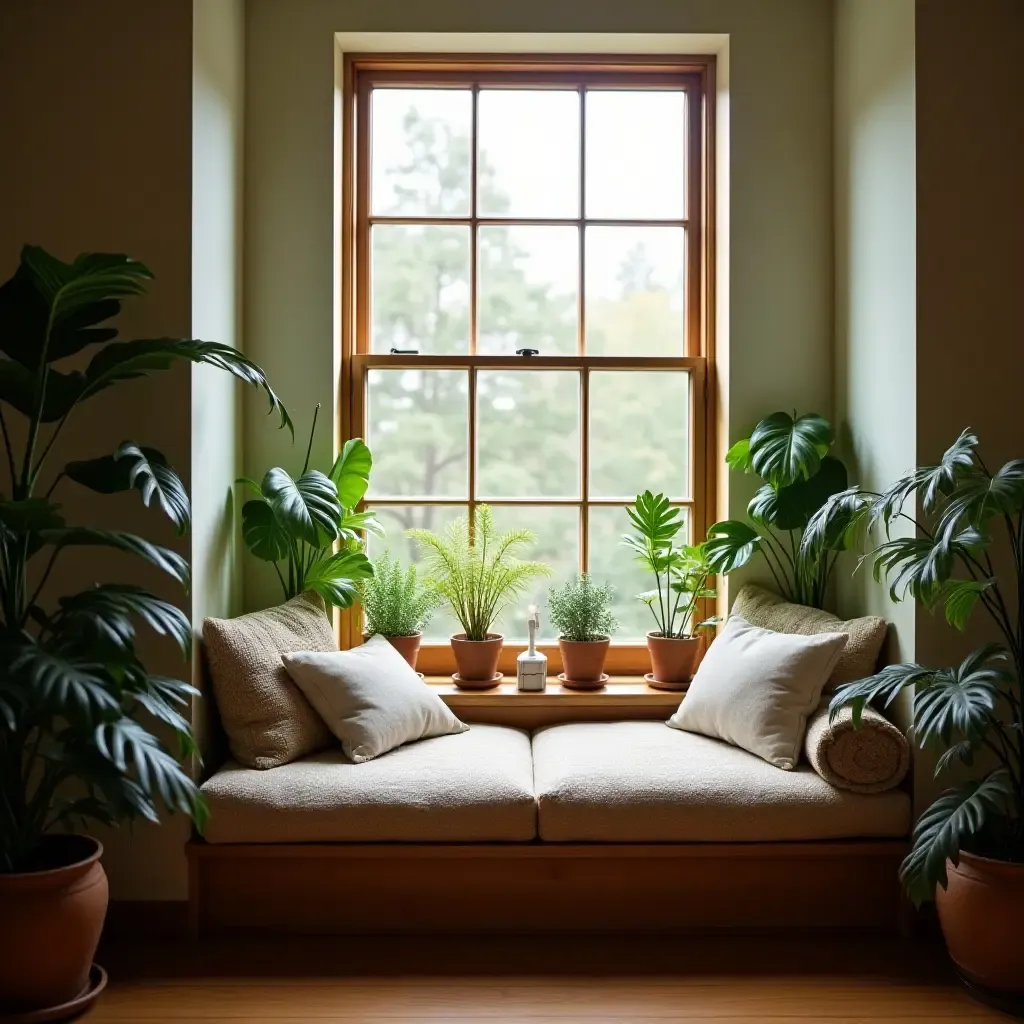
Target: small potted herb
[
  {"x": 397, "y": 605},
  {"x": 580, "y": 611},
  {"x": 477, "y": 573},
  {"x": 681, "y": 574}
]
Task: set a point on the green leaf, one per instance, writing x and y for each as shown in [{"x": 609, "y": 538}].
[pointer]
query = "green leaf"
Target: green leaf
[
  {"x": 107, "y": 611},
  {"x": 885, "y": 686},
  {"x": 81, "y": 536},
  {"x": 308, "y": 508},
  {"x": 961, "y": 596},
  {"x": 977, "y": 498},
  {"x": 336, "y": 577},
  {"x": 61, "y": 681},
  {"x": 784, "y": 450},
  {"x": 738, "y": 456},
  {"x": 835, "y": 525},
  {"x": 144, "y": 469},
  {"x": 791, "y": 508},
  {"x": 161, "y": 696},
  {"x": 17, "y": 389},
  {"x": 262, "y": 533},
  {"x": 655, "y": 518},
  {"x": 730, "y": 544},
  {"x": 351, "y": 472},
  {"x": 941, "y": 831},
  {"x": 351, "y": 523},
  {"x": 29, "y": 515}
]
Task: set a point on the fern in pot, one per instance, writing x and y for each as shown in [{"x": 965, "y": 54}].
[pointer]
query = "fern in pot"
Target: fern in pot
[
  {"x": 581, "y": 612},
  {"x": 478, "y": 572},
  {"x": 80, "y": 714},
  {"x": 681, "y": 573},
  {"x": 397, "y": 605}
]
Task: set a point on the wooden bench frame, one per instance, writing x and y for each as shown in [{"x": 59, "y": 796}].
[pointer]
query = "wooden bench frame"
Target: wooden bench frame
[{"x": 541, "y": 887}]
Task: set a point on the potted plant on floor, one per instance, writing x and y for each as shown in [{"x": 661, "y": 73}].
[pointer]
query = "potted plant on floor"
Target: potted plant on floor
[
  {"x": 964, "y": 549},
  {"x": 477, "y": 572},
  {"x": 791, "y": 457},
  {"x": 397, "y": 605},
  {"x": 78, "y": 708},
  {"x": 298, "y": 521},
  {"x": 581, "y": 612},
  {"x": 681, "y": 574}
]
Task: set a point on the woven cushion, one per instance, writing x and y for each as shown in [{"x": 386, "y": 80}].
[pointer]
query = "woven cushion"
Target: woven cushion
[
  {"x": 871, "y": 758},
  {"x": 476, "y": 786},
  {"x": 640, "y": 782},
  {"x": 865, "y": 635},
  {"x": 267, "y": 719}
]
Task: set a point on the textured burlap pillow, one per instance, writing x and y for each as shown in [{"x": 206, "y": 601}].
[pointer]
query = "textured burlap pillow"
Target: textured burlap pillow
[
  {"x": 865, "y": 635},
  {"x": 267, "y": 719}
]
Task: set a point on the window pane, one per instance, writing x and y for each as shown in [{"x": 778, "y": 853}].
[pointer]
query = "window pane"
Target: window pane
[
  {"x": 612, "y": 562},
  {"x": 558, "y": 546},
  {"x": 529, "y": 289},
  {"x": 636, "y": 294},
  {"x": 528, "y": 434},
  {"x": 635, "y": 155},
  {"x": 420, "y": 288},
  {"x": 639, "y": 433},
  {"x": 419, "y": 152},
  {"x": 396, "y": 519},
  {"x": 529, "y": 156},
  {"x": 417, "y": 428}
]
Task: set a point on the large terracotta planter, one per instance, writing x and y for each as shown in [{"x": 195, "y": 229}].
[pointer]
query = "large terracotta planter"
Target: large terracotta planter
[
  {"x": 407, "y": 646},
  {"x": 52, "y": 919},
  {"x": 982, "y": 912},
  {"x": 673, "y": 661},
  {"x": 477, "y": 661},
  {"x": 583, "y": 663}
]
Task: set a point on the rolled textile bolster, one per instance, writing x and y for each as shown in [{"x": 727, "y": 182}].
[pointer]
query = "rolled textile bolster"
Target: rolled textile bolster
[{"x": 870, "y": 759}]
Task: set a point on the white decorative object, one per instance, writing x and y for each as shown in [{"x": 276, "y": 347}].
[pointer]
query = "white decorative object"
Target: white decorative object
[{"x": 531, "y": 665}]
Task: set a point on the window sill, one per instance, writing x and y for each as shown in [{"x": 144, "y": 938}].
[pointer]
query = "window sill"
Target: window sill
[{"x": 624, "y": 697}]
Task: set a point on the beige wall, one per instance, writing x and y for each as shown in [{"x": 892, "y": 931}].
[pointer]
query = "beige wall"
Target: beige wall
[
  {"x": 780, "y": 191},
  {"x": 95, "y": 117}
]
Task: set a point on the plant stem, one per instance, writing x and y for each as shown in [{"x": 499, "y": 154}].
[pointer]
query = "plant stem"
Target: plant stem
[{"x": 312, "y": 430}]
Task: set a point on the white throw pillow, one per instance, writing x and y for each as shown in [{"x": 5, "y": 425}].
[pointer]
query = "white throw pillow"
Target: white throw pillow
[
  {"x": 755, "y": 689},
  {"x": 370, "y": 698}
]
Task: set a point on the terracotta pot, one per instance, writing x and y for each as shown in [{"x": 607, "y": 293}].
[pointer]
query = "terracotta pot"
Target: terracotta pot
[
  {"x": 477, "y": 659},
  {"x": 981, "y": 913},
  {"x": 583, "y": 662},
  {"x": 673, "y": 660},
  {"x": 52, "y": 919},
  {"x": 407, "y": 646}
]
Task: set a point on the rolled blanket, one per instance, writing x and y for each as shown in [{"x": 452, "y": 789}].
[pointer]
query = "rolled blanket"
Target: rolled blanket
[{"x": 870, "y": 759}]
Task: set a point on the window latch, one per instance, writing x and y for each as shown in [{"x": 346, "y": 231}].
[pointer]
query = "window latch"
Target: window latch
[
  {"x": 405, "y": 352},
  {"x": 527, "y": 352}
]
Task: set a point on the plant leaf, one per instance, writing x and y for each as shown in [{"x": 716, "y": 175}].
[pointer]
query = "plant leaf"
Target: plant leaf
[
  {"x": 336, "y": 577},
  {"x": 107, "y": 610},
  {"x": 730, "y": 544},
  {"x": 835, "y": 525},
  {"x": 940, "y": 832},
  {"x": 885, "y": 685},
  {"x": 64, "y": 681},
  {"x": 784, "y": 450},
  {"x": 262, "y": 533},
  {"x": 308, "y": 508},
  {"x": 29, "y": 515},
  {"x": 961, "y": 596},
  {"x": 738, "y": 456},
  {"x": 790, "y": 508},
  {"x": 82, "y": 536},
  {"x": 655, "y": 518},
  {"x": 351, "y": 472}
]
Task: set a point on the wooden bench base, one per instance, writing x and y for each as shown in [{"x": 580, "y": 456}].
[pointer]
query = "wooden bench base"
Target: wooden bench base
[{"x": 544, "y": 888}]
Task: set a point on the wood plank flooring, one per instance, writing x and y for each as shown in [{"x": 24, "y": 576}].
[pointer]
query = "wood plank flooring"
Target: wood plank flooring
[{"x": 774, "y": 979}]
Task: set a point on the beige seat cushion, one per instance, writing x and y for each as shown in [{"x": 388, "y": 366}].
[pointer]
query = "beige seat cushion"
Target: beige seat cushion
[
  {"x": 267, "y": 719},
  {"x": 476, "y": 786},
  {"x": 641, "y": 782},
  {"x": 866, "y": 635}
]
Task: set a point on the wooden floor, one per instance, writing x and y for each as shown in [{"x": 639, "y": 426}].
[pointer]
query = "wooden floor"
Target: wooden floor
[{"x": 767, "y": 979}]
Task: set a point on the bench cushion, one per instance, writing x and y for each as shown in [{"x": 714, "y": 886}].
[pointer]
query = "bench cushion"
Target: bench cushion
[
  {"x": 641, "y": 782},
  {"x": 475, "y": 786}
]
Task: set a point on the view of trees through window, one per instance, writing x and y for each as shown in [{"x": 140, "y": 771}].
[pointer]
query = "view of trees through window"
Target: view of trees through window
[{"x": 528, "y": 284}]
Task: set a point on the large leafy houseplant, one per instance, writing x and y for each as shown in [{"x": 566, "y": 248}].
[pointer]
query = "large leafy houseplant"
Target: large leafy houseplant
[
  {"x": 790, "y": 455},
  {"x": 299, "y": 520},
  {"x": 78, "y": 707},
  {"x": 966, "y": 516}
]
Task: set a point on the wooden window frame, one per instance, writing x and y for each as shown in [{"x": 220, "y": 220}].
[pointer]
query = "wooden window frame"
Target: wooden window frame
[{"x": 361, "y": 73}]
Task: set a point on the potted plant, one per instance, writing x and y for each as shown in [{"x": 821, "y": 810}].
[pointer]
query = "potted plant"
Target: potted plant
[
  {"x": 580, "y": 610},
  {"x": 78, "y": 708},
  {"x": 964, "y": 549},
  {"x": 798, "y": 476},
  {"x": 299, "y": 520},
  {"x": 477, "y": 572},
  {"x": 681, "y": 574},
  {"x": 397, "y": 605}
]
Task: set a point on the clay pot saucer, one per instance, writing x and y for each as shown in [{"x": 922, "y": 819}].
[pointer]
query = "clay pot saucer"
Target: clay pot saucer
[
  {"x": 477, "y": 684},
  {"x": 583, "y": 684},
  {"x": 66, "y": 1011}
]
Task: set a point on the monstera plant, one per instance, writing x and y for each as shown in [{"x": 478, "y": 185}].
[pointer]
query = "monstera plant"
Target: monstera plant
[
  {"x": 791, "y": 456},
  {"x": 80, "y": 714},
  {"x": 961, "y": 549},
  {"x": 298, "y": 520}
]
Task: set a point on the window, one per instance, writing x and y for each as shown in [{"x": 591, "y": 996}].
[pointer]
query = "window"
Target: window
[{"x": 493, "y": 209}]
